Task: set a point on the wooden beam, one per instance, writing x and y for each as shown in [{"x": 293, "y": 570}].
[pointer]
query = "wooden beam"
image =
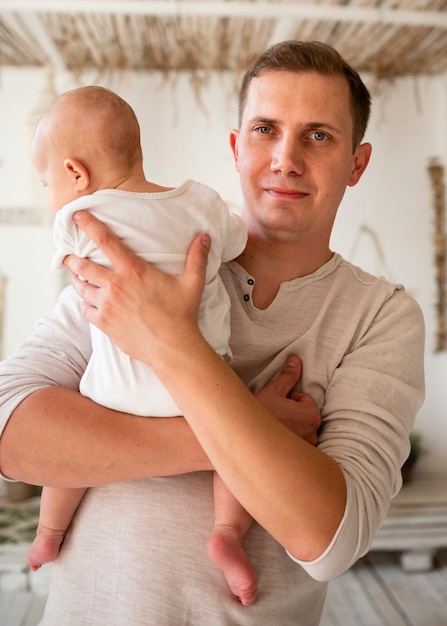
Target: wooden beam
[{"x": 257, "y": 10}]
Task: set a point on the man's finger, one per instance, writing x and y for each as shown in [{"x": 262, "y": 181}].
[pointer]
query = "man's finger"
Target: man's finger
[
  {"x": 288, "y": 377},
  {"x": 105, "y": 239},
  {"x": 195, "y": 267},
  {"x": 198, "y": 254}
]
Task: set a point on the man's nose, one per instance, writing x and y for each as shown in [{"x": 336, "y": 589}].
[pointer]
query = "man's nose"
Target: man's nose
[{"x": 288, "y": 157}]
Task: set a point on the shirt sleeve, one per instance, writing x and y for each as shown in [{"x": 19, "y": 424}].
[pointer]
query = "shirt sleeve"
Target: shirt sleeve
[
  {"x": 56, "y": 353},
  {"x": 369, "y": 410}
]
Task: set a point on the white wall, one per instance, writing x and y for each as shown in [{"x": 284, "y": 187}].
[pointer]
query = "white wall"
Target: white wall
[{"x": 183, "y": 138}]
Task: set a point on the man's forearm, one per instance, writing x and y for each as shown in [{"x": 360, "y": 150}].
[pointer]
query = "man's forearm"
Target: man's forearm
[
  {"x": 296, "y": 492},
  {"x": 59, "y": 438}
]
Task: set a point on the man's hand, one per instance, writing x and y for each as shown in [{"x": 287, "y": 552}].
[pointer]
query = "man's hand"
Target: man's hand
[
  {"x": 138, "y": 306},
  {"x": 294, "y": 409}
]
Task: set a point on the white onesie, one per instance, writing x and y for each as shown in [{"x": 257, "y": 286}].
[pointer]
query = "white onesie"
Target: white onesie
[{"x": 159, "y": 227}]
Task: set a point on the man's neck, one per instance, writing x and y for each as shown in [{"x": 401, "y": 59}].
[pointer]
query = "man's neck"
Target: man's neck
[{"x": 273, "y": 263}]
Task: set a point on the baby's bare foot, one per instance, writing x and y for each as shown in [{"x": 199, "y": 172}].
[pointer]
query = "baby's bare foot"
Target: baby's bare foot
[
  {"x": 45, "y": 547},
  {"x": 226, "y": 550}
]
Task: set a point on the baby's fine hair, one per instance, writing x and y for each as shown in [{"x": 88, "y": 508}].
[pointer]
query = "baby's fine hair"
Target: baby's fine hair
[{"x": 105, "y": 117}]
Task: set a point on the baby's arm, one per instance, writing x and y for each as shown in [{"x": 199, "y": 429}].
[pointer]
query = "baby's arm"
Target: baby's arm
[{"x": 57, "y": 507}]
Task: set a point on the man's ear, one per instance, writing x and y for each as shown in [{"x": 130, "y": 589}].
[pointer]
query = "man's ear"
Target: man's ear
[
  {"x": 234, "y": 134},
  {"x": 361, "y": 160},
  {"x": 78, "y": 173}
]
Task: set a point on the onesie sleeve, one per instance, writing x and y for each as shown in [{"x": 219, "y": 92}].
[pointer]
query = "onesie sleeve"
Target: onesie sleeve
[
  {"x": 68, "y": 238},
  {"x": 56, "y": 353},
  {"x": 369, "y": 410},
  {"x": 64, "y": 232},
  {"x": 234, "y": 234}
]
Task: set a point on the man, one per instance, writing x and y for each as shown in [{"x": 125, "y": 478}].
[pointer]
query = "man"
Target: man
[{"x": 303, "y": 115}]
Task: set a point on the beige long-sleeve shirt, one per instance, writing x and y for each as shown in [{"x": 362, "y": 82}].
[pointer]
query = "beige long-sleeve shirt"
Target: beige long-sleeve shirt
[{"x": 136, "y": 552}]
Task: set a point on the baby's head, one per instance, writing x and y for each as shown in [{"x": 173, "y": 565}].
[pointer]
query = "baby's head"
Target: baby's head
[{"x": 87, "y": 139}]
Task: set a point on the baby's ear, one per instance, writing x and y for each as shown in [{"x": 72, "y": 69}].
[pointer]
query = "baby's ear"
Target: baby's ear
[{"x": 78, "y": 174}]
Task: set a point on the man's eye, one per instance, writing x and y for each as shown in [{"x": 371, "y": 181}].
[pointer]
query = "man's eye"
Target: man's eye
[
  {"x": 262, "y": 130},
  {"x": 319, "y": 135}
]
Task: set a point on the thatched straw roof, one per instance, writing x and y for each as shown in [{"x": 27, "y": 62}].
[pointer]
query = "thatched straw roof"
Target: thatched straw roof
[{"x": 388, "y": 38}]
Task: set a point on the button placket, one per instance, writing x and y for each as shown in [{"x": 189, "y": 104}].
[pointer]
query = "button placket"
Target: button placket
[{"x": 250, "y": 282}]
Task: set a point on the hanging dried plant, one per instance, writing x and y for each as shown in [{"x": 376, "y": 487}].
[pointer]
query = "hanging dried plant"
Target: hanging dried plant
[{"x": 436, "y": 173}]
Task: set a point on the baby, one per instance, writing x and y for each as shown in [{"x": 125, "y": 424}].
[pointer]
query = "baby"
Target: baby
[{"x": 87, "y": 152}]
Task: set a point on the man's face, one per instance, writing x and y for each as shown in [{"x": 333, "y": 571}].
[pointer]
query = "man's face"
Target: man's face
[{"x": 294, "y": 154}]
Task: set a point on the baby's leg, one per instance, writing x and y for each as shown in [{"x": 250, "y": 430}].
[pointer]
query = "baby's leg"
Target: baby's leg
[
  {"x": 225, "y": 545},
  {"x": 57, "y": 507}
]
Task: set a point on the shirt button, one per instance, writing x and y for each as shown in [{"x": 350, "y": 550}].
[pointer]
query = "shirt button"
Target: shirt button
[
  {"x": 250, "y": 281},
  {"x": 246, "y": 297}
]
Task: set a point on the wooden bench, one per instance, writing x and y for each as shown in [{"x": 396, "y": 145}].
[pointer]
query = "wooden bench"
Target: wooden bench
[{"x": 416, "y": 524}]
